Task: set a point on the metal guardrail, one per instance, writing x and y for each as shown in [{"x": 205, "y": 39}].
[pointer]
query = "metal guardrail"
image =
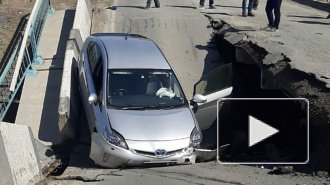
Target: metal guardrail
[{"x": 24, "y": 55}]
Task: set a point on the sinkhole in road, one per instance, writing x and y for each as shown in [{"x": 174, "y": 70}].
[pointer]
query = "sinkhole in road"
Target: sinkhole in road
[{"x": 248, "y": 83}]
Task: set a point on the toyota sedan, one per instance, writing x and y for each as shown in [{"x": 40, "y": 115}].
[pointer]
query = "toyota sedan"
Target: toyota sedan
[{"x": 136, "y": 108}]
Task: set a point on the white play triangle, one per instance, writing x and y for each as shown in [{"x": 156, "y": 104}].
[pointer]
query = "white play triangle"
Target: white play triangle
[{"x": 259, "y": 131}]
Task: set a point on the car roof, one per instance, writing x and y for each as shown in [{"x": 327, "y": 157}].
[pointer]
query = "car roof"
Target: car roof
[{"x": 132, "y": 51}]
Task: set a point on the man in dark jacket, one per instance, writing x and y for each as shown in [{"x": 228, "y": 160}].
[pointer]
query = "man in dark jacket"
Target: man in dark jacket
[{"x": 157, "y": 4}]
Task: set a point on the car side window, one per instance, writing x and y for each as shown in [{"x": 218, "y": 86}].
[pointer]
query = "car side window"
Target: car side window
[
  {"x": 96, "y": 65},
  {"x": 97, "y": 77},
  {"x": 91, "y": 55},
  {"x": 216, "y": 80},
  {"x": 95, "y": 61},
  {"x": 97, "y": 74}
]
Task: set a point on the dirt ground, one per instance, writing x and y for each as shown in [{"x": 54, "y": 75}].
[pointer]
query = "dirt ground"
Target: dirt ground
[{"x": 11, "y": 12}]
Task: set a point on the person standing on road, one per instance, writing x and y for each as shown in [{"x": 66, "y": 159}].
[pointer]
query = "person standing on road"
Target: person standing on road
[
  {"x": 211, "y": 4},
  {"x": 157, "y": 4},
  {"x": 255, "y": 4},
  {"x": 276, "y": 6},
  {"x": 250, "y": 6}
]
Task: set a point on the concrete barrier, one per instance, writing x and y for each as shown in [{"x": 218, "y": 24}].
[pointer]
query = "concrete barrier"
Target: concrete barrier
[
  {"x": 83, "y": 18},
  {"x": 18, "y": 155},
  {"x": 69, "y": 95},
  {"x": 69, "y": 106}
]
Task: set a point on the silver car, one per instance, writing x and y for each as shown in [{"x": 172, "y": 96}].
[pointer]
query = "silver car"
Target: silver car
[{"x": 135, "y": 106}]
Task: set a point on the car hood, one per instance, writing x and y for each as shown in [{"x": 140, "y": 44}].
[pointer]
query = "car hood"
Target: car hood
[{"x": 152, "y": 125}]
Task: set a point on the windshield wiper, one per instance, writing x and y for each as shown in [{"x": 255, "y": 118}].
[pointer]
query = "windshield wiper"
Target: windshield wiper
[
  {"x": 132, "y": 108},
  {"x": 140, "y": 107},
  {"x": 151, "y": 107}
]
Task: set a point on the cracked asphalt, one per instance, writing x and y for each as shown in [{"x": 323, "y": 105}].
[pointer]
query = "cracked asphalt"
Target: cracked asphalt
[{"x": 82, "y": 171}]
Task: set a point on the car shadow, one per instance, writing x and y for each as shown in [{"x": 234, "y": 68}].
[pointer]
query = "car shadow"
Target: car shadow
[{"x": 212, "y": 59}]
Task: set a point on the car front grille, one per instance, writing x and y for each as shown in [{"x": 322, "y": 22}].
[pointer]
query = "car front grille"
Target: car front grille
[{"x": 168, "y": 154}]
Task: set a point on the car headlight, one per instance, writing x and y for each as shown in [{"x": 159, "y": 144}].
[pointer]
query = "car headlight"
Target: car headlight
[
  {"x": 195, "y": 138},
  {"x": 114, "y": 138}
]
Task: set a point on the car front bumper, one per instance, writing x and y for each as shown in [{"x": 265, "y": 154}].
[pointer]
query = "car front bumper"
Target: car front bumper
[{"x": 108, "y": 155}]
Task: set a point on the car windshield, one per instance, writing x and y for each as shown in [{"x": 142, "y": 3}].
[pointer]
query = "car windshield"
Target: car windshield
[{"x": 144, "y": 89}]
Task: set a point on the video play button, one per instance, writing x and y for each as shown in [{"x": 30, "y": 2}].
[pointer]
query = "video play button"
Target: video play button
[
  {"x": 263, "y": 130},
  {"x": 259, "y": 131}
]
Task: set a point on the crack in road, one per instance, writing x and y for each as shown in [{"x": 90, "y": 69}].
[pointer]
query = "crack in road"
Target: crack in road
[
  {"x": 187, "y": 175},
  {"x": 86, "y": 179},
  {"x": 160, "y": 175},
  {"x": 78, "y": 178}
]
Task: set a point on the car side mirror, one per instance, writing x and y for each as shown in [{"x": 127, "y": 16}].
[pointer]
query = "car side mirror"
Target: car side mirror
[
  {"x": 198, "y": 98},
  {"x": 92, "y": 99}
]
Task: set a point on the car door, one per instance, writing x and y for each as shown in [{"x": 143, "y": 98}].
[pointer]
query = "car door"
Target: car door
[
  {"x": 216, "y": 84},
  {"x": 98, "y": 106},
  {"x": 86, "y": 64},
  {"x": 94, "y": 70}
]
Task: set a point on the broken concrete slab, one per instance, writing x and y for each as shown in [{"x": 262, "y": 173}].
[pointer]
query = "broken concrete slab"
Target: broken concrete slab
[{"x": 45, "y": 153}]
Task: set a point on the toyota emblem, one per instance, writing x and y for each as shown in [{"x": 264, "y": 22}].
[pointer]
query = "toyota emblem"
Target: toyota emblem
[{"x": 160, "y": 153}]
